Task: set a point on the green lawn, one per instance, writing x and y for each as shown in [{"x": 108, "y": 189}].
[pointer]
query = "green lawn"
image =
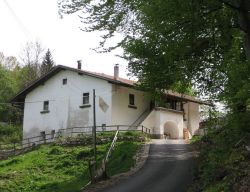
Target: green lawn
[{"x": 56, "y": 168}]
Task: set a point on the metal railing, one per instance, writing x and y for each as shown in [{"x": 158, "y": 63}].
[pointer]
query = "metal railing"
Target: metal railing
[{"x": 140, "y": 119}]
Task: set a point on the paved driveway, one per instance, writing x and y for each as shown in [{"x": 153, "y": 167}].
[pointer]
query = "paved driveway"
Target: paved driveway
[{"x": 168, "y": 169}]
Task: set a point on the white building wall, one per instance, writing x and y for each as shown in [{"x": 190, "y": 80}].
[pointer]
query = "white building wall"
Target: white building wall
[
  {"x": 193, "y": 118},
  {"x": 159, "y": 117},
  {"x": 121, "y": 113},
  {"x": 65, "y": 102}
]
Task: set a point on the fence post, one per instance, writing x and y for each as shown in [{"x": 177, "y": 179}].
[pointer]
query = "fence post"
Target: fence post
[
  {"x": 14, "y": 148},
  {"x": 142, "y": 128}
]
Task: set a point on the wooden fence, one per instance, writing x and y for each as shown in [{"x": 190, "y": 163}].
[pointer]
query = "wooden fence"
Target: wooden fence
[{"x": 27, "y": 144}]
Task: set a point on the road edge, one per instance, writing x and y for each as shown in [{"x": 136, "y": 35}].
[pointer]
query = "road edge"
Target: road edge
[{"x": 140, "y": 157}]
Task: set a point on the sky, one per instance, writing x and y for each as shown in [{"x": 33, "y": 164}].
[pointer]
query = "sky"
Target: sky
[{"x": 38, "y": 20}]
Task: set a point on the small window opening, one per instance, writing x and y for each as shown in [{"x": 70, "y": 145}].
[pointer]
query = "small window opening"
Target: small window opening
[
  {"x": 64, "y": 81},
  {"x": 46, "y": 105},
  {"x": 85, "y": 99},
  {"x": 131, "y": 99}
]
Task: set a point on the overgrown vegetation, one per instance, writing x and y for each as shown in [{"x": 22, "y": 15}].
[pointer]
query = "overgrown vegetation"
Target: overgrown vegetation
[
  {"x": 224, "y": 161},
  {"x": 63, "y": 168},
  {"x": 10, "y": 133}
]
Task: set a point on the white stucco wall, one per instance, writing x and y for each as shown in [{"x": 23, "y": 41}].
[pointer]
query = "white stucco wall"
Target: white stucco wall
[
  {"x": 121, "y": 113},
  {"x": 65, "y": 111},
  {"x": 193, "y": 118},
  {"x": 64, "y": 102},
  {"x": 158, "y": 118}
]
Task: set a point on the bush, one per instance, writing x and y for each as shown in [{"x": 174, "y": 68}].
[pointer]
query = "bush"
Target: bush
[{"x": 10, "y": 133}]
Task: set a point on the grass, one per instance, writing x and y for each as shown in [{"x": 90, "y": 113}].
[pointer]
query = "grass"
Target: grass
[
  {"x": 122, "y": 157},
  {"x": 53, "y": 168}
]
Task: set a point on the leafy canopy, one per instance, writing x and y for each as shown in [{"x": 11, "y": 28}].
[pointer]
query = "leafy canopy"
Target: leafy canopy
[{"x": 203, "y": 43}]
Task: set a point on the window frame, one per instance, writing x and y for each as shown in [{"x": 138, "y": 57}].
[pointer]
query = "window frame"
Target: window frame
[
  {"x": 131, "y": 101},
  {"x": 64, "y": 81},
  {"x": 85, "y": 100},
  {"x": 85, "y": 97}
]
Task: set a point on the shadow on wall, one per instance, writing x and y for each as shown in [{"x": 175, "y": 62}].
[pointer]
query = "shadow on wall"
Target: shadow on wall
[{"x": 171, "y": 130}]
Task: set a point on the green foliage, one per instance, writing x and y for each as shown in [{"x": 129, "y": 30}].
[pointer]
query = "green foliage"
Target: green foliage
[
  {"x": 10, "y": 133},
  {"x": 223, "y": 159},
  {"x": 122, "y": 155},
  {"x": 45, "y": 170},
  {"x": 169, "y": 41},
  {"x": 57, "y": 168}
]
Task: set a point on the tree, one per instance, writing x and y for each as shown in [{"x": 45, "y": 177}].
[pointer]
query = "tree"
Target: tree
[
  {"x": 169, "y": 41},
  {"x": 8, "y": 87},
  {"x": 47, "y": 63},
  {"x": 31, "y": 58}
]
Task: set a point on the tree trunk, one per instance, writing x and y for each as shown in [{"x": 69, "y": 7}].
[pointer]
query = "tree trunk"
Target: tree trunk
[{"x": 244, "y": 22}]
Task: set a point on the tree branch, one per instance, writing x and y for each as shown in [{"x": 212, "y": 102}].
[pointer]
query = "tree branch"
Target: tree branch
[{"x": 230, "y": 5}]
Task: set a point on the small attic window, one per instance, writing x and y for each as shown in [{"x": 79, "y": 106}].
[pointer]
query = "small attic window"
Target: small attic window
[{"x": 64, "y": 81}]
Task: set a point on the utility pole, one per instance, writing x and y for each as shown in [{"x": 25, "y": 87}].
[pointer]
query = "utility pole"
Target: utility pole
[{"x": 94, "y": 127}]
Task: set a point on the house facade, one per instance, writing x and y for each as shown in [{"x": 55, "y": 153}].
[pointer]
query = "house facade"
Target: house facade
[{"x": 63, "y": 99}]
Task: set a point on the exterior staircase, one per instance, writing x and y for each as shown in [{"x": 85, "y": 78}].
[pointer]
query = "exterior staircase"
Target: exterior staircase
[{"x": 140, "y": 119}]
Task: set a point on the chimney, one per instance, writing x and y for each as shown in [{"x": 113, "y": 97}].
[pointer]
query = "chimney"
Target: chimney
[
  {"x": 79, "y": 64},
  {"x": 116, "y": 71}
]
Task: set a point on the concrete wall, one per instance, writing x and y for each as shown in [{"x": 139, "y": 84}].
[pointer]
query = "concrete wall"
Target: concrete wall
[
  {"x": 65, "y": 102},
  {"x": 121, "y": 112}
]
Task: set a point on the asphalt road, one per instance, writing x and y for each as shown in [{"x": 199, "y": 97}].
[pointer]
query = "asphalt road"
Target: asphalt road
[{"x": 167, "y": 169}]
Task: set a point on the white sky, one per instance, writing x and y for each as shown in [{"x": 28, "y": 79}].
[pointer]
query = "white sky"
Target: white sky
[{"x": 38, "y": 20}]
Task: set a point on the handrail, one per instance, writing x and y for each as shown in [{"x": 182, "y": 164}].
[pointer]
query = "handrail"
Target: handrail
[
  {"x": 148, "y": 130},
  {"x": 139, "y": 118},
  {"x": 111, "y": 146}
]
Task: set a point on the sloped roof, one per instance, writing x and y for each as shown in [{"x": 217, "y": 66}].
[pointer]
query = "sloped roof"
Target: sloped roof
[
  {"x": 20, "y": 97},
  {"x": 183, "y": 97}
]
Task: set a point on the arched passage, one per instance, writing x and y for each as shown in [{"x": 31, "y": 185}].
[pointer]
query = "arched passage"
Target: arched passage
[{"x": 171, "y": 129}]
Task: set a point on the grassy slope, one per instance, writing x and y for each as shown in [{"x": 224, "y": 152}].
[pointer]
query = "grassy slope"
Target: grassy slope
[{"x": 56, "y": 168}]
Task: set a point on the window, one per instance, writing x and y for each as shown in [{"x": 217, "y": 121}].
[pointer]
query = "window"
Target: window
[
  {"x": 131, "y": 99},
  {"x": 178, "y": 106},
  {"x": 46, "y": 105},
  {"x": 85, "y": 98},
  {"x": 64, "y": 81}
]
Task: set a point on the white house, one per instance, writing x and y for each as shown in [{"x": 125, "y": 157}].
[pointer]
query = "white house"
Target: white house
[{"x": 63, "y": 99}]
